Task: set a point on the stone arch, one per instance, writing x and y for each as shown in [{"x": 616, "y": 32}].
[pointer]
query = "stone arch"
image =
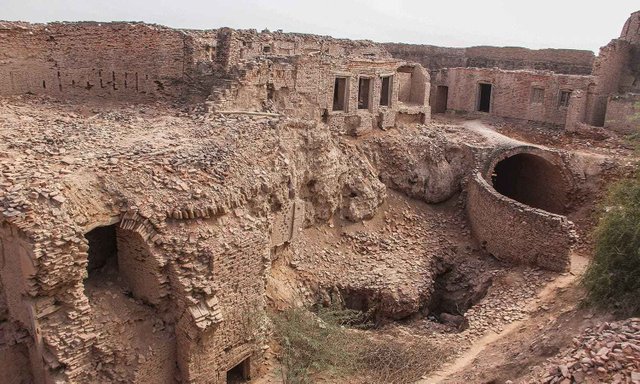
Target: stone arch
[
  {"x": 128, "y": 279},
  {"x": 128, "y": 244}
]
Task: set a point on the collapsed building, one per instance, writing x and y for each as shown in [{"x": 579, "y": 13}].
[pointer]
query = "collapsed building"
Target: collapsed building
[{"x": 180, "y": 226}]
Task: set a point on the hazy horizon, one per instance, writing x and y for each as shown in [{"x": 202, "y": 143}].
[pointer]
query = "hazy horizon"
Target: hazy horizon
[{"x": 492, "y": 22}]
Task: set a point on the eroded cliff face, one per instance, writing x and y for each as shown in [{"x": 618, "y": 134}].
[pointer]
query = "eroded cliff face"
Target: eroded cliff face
[
  {"x": 422, "y": 163},
  {"x": 379, "y": 265},
  {"x": 330, "y": 174}
]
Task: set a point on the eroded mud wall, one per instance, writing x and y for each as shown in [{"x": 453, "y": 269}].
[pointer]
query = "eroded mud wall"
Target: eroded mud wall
[{"x": 567, "y": 61}]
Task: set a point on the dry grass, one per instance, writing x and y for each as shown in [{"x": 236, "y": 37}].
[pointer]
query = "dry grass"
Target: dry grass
[{"x": 315, "y": 346}]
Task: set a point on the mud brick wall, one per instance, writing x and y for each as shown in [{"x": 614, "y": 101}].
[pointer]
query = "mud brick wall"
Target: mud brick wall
[
  {"x": 249, "y": 44},
  {"x": 623, "y": 113},
  {"x": 511, "y": 94},
  {"x": 140, "y": 267},
  {"x": 14, "y": 362},
  {"x": 514, "y": 232},
  {"x": 431, "y": 57},
  {"x": 611, "y": 65},
  {"x": 610, "y": 68},
  {"x": 238, "y": 268},
  {"x": 567, "y": 61},
  {"x": 631, "y": 29},
  {"x": 119, "y": 60},
  {"x": 16, "y": 267},
  {"x": 14, "y": 354}
]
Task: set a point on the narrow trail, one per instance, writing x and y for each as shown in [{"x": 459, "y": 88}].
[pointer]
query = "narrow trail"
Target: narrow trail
[
  {"x": 548, "y": 294},
  {"x": 497, "y": 138},
  {"x": 492, "y": 135}
]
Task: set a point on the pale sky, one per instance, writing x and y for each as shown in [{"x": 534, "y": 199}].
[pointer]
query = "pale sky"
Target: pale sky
[{"x": 585, "y": 24}]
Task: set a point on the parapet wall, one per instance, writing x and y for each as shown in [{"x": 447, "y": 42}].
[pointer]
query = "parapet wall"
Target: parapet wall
[
  {"x": 124, "y": 60},
  {"x": 567, "y": 61},
  {"x": 514, "y": 232}
]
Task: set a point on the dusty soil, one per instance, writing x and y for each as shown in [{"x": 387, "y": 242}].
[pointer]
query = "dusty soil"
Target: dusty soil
[
  {"x": 133, "y": 329},
  {"x": 521, "y": 316},
  {"x": 527, "y": 316}
]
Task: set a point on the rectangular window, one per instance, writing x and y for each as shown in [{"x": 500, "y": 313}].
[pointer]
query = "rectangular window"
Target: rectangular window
[
  {"x": 537, "y": 95},
  {"x": 363, "y": 93},
  {"x": 564, "y": 98},
  {"x": 340, "y": 94},
  {"x": 385, "y": 91}
]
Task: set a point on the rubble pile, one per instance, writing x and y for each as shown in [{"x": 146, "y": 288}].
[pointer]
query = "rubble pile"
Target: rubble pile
[{"x": 607, "y": 353}]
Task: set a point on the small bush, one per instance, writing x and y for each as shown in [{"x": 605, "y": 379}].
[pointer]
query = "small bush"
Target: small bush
[
  {"x": 314, "y": 345},
  {"x": 308, "y": 345},
  {"x": 390, "y": 360},
  {"x": 613, "y": 277}
]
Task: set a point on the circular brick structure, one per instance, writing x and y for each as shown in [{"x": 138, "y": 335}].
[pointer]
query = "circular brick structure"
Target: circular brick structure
[{"x": 510, "y": 206}]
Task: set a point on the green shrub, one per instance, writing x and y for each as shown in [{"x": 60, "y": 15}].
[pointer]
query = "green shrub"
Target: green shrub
[{"x": 613, "y": 277}]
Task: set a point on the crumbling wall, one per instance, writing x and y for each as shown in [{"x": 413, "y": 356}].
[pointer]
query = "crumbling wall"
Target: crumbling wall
[
  {"x": 566, "y": 61},
  {"x": 517, "y": 233},
  {"x": 577, "y": 110},
  {"x": 221, "y": 297},
  {"x": 610, "y": 68},
  {"x": 623, "y": 113},
  {"x": 120, "y": 60},
  {"x": 631, "y": 30},
  {"x": 512, "y": 92},
  {"x": 327, "y": 177},
  {"x": 251, "y": 44},
  {"x": 14, "y": 352},
  {"x": 617, "y": 70},
  {"x": 18, "y": 328},
  {"x": 303, "y": 87},
  {"x": 141, "y": 267}
]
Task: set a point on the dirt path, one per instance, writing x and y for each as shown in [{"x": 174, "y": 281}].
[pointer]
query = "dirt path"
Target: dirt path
[
  {"x": 491, "y": 134},
  {"x": 485, "y": 344}
]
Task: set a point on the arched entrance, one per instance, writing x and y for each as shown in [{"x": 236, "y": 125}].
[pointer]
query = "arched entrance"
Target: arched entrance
[{"x": 532, "y": 180}]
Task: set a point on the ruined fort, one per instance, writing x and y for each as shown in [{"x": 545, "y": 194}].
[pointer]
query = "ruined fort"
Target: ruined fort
[{"x": 162, "y": 190}]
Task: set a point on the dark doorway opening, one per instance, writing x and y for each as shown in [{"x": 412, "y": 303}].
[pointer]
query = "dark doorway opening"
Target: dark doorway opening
[
  {"x": 442, "y": 96},
  {"x": 103, "y": 249},
  {"x": 363, "y": 93},
  {"x": 339, "y": 94},
  {"x": 484, "y": 104},
  {"x": 241, "y": 373},
  {"x": 385, "y": 92},
  {"x": 531, "y": 180}
]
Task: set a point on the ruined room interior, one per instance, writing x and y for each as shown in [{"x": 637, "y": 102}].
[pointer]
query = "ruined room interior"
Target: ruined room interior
[{"x": 163, "y": 193}]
